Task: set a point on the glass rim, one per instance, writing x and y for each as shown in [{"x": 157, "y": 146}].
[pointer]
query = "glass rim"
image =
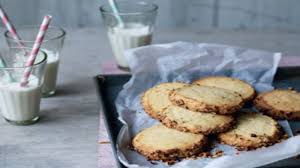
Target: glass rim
[
  {"x": 32, "y": 66},
  {"x": 61, "y": 34},
  {"x": 153, "y": 8}
]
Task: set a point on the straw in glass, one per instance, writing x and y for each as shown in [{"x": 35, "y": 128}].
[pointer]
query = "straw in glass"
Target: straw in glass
[
  {"x": 35, "y": 49},
  {"x": 115, "y": 10},
  {"x": 10, "y": 28}
]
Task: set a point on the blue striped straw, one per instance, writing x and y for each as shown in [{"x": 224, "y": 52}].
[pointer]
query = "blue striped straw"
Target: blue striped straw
[{"x": 115, "y": 10}]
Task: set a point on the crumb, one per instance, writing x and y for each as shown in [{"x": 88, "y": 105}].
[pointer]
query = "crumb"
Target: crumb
[
  {"x": 291, "y": 88},
  {"x": 204, "y": 154},
  {"x": 237, "y": 153},
  {"x": 218, "y": 153},
  {"x": 253, "y": 135},
  {"x": 104, "y": 142},
  {"x": 171, "y": 162}
]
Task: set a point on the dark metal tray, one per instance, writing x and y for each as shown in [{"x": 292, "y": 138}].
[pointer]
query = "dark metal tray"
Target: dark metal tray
[{"x": 109, "y": 86}]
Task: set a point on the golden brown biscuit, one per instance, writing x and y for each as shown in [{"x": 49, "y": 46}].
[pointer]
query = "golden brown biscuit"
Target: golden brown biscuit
[
  {"x": 253, "y": 130},
  {"x": 156, "y": 99},
  {"x": 207, "y": 99},
  {"x": 196, "y": 122},
  {"x": 164, "y": 144},
  {"x": 243, "y": 88},
  {"x": 282, "y": 104}
]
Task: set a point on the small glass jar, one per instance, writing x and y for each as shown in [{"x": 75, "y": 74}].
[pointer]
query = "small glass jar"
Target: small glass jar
[
  {"x": 135, "y": 30},
  {"x": 52, "y": 44},
  {"x": 20, "y": 105}
]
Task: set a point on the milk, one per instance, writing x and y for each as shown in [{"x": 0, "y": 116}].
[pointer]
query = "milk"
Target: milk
[
  {"x": 130, "y": 36},
  {"x": 50, "y": 72},
  {"x": 20, "y": 103}
]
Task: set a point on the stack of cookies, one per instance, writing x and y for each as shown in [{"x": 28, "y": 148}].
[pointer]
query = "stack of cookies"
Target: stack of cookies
[{"x": 189, "y": 113}]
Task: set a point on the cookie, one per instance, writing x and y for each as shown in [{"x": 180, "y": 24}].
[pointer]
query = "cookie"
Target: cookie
[
  {"x": 281, "y": 104},
  {"x": 196, "y": 122},
  {"x": 156, "y": 99},
  {"x": 243, "y": 88},
  {"x": 164, "y": 144},
  {"x": 207, "y": 99},
  {"x": 253, "y": 130}
]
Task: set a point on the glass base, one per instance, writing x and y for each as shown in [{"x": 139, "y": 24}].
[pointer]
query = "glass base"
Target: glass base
[
  {"x": 124, "y": 68},
  {"x": 48, "y": 94},
  {"x": 27, "y": 122}
]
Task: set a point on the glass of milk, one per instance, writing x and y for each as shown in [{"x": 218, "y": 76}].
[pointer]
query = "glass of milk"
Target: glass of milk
[
  {"x": 134, "y": 30},
  {"x": 20, "y": 105},
  {"x": 52, "y": 45}
]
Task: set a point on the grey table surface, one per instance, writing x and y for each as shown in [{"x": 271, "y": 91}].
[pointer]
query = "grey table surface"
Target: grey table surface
[{"x": 67, "y": 134}]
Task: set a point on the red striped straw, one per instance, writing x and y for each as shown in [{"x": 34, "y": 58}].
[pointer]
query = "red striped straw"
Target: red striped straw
[
  {"x": 35, "y": 49},
  {"x": 10, "y": 28}
]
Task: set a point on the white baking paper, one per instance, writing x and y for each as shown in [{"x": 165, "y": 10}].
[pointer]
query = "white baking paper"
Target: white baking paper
[{"x": 183, "y": 61}]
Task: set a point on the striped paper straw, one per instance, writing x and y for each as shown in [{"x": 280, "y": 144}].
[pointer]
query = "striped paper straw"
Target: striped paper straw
[
  {"x": 35, "y": 49},
  {"x": 10, "y": 28}
]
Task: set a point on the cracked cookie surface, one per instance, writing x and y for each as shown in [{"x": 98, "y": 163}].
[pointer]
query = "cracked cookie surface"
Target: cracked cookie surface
[
  {"x": 155, "y": 99},
  {"x": 206, "y": 99},
  {"x": 243, "y": 88}
]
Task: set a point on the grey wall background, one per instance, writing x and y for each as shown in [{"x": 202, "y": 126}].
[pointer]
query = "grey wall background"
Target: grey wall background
[{"x": 196, "y": 14}]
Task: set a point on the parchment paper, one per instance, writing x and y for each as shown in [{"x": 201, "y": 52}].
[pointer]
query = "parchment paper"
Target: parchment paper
[{"x": 183, "y": 61}]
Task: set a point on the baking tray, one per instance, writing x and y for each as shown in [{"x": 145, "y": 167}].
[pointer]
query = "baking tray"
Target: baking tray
[{"x": 108, "y": 87}]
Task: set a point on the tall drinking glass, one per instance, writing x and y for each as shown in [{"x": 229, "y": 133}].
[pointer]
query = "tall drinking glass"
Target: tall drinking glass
[
  {"x": 20, "y": 105},
  {"x": 136, "y": 29},
  {"x": 52, "y": 45}
]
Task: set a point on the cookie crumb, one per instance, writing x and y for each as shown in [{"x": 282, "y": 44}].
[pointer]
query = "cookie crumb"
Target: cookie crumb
[
  {"x": 253, "y": 135},
  {"x": 204, "y": 154},
  {"x": 104, "y": 142},
  {"x": 218, "y": 153},
  {"x": 171, "y": 162}
]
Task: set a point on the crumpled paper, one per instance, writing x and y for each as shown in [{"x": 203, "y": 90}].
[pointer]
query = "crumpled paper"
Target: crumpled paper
[{"x": 184, "y": 61}]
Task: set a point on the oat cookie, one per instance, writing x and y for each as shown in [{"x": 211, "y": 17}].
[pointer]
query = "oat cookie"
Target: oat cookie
[
  {"x": 164, "y": 144},
  {"x": 243, "y": 88},
  {"x": 156, "y": 99},
  {"x": 207, "y": 99},
  {"x": 196, "y": 122},
  {"x": 282, "y": 104},
  {"x": 253, "y": 130}
]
